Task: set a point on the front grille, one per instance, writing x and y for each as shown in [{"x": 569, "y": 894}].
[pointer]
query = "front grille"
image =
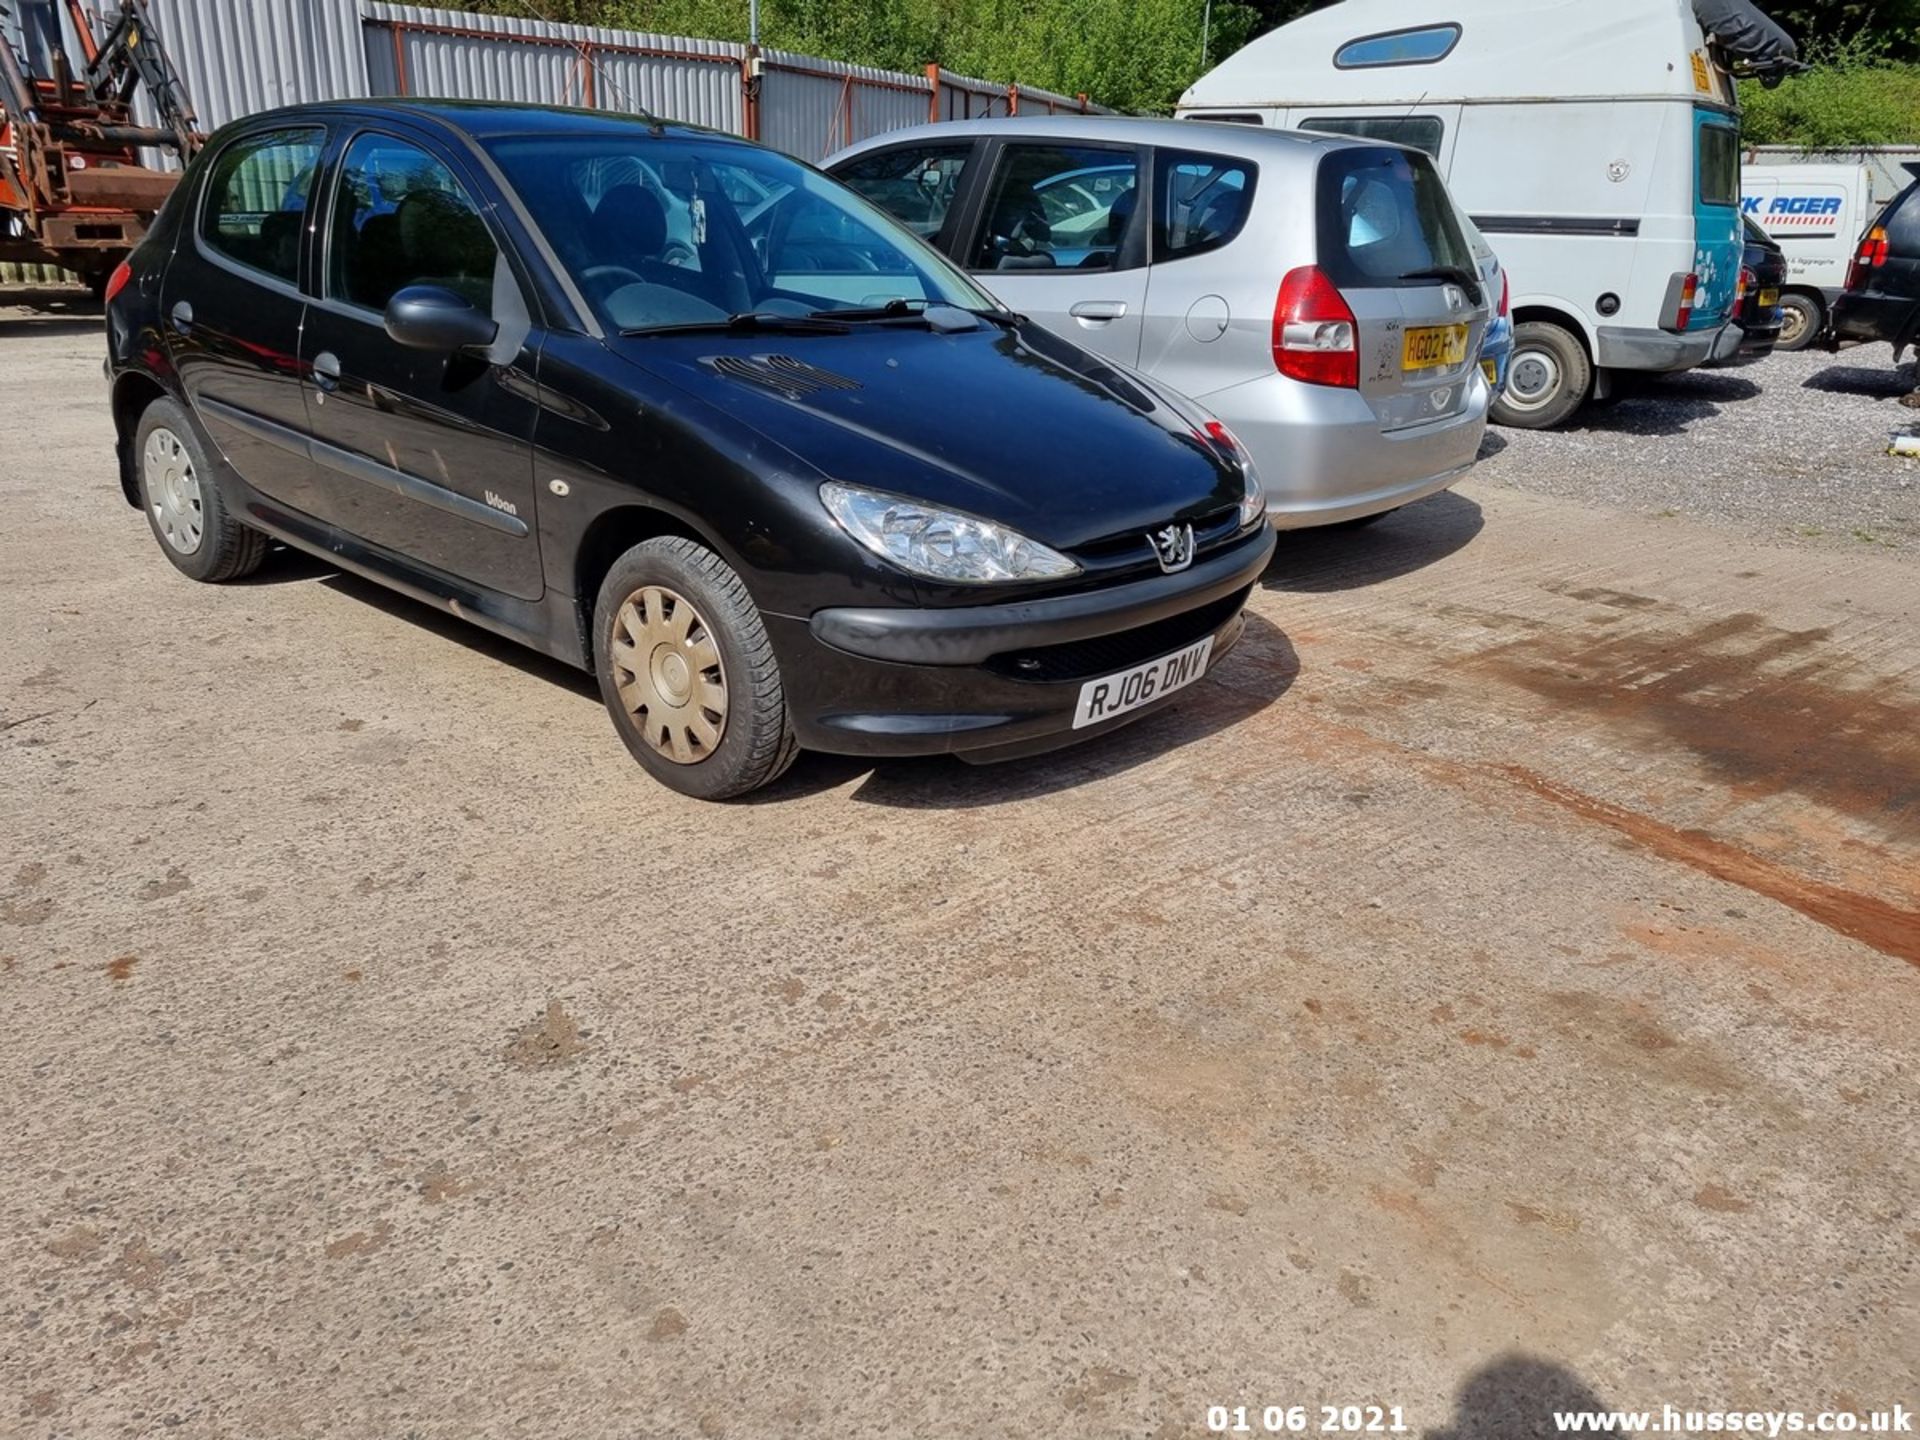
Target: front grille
[
  {"x": 1104, "y": 654},
  {"x": 1135, "y": 547}
]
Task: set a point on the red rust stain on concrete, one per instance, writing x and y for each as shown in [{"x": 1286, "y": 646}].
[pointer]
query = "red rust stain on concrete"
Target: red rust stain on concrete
[
  {"x": 122, "y": 968},
  {"x": 1766, "y": 710},
  {"x": 1888, "y": 928}
]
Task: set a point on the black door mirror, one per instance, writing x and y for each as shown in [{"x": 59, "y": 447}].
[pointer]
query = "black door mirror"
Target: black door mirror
[{"x": 430, "y": 317}]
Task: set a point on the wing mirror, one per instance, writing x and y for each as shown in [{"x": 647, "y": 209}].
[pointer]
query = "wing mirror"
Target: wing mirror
[{"x": 430, "y": 317}]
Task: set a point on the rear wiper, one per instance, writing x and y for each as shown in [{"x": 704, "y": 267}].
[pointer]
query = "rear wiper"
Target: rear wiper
[
  {"x": 745, "y": 321},
  {"x": 1459, "y": 274}
]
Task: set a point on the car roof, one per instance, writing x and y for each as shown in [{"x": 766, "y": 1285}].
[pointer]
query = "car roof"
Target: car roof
[
  {"x": 491, "y": 119},
  {"x": 1250, "y": 142}
]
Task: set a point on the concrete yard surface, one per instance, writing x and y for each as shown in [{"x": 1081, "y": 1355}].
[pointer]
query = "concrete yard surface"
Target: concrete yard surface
[{"x": 1496, "y": 989}]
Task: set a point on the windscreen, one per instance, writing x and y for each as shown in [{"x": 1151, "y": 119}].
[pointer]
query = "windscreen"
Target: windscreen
[
  {"x": 1385, "y": 219},
  {"x": 667, "y": 230}
]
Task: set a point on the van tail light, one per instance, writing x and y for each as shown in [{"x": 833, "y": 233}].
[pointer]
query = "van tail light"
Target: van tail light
[
  {"x": 1682, "y": 304},
  {"x": 1315, "y": 337},
  {"x": 116, "y": 282},
  {"x": 1871, "y": 256},
  {"x": 1506, "y": 295},
  {"x": 1749, "y": 282}
]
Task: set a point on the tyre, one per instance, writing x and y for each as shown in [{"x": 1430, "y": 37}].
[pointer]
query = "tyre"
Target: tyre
[
  {"x": 180, "y": 491},
  {"x": 1547, "y": 379},
  {"x": 1802, "y": 318},
  {"x": 687, "y": 672}
]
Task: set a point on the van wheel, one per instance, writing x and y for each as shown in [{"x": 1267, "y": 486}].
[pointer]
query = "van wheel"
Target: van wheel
[
  {"x": 180, "y": 491},
  {"x": 1547, "y": 379},
  {"x": 1802, "y": 318},
  {"x": 687, "y": 672}
]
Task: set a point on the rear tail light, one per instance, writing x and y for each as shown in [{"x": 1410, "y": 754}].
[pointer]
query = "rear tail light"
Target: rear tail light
[
  {"x": 1871, "y": 256},
  {"x": 1749, "y": 282},
  {"x": 1506, "y": 295},
  {"x": 1314, "y": 334},
  {"x": 1683, "y": 311},
  {"x": 116, "y": 282}
]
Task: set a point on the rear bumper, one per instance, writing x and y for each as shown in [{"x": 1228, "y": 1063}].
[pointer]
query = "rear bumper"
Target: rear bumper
[
  {"x": 1323, "y": 457},
  {"x": 1863, "y": 315},
  {"x": 905, "y": 681},
  {"x": 1660, "y": 351}
]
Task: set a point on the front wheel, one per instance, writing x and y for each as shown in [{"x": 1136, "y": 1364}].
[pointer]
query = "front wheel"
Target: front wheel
[
  {"x": 1802, "y": 318},
  {"x": 1548, "y": 377},
  {"x": 688, "y": 673}
]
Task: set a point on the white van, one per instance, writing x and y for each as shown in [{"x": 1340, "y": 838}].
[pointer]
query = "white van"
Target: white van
[
  {"x": 1596, "y": 146},
  {"x": 1817, "y": 213}
]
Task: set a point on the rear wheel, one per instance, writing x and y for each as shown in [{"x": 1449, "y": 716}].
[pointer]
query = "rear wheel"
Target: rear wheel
[
  {"x": 180, "y": 491},
  {"x": 688, "y": 673},
  {"x": 1548, "y": 378},
  {"x": 1802, "y": 318}
]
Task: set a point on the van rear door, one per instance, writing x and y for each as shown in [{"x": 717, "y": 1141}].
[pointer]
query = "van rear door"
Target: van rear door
[{"x": 1391, "y": 243}]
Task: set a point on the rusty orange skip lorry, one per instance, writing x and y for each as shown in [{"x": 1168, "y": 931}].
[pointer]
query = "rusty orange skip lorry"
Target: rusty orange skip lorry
[{"x": 73, "y": 191}]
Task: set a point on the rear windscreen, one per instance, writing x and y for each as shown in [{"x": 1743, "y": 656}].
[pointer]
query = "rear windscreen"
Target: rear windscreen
[
  {"x": 1719, "y": 165},
  {"x": 1385, "y": 219}
]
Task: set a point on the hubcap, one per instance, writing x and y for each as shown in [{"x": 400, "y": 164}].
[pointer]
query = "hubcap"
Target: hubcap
[
  {"x": 668, "y": 674},
  {"x": 173, "y": 491},
  {"x": 1533, "y": 378},
  {"x": 1793, "y": 323}
]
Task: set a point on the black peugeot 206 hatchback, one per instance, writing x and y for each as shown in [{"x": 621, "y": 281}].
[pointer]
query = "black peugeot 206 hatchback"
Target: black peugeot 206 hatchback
[{"x": 680, "y": 410}]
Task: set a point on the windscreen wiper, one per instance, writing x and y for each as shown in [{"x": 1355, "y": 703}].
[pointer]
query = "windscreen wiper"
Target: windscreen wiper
[
  {"x": 747, "y": 321},
  {"x": 916, "y": 311},
  {"x": 1459, "y": 274}
]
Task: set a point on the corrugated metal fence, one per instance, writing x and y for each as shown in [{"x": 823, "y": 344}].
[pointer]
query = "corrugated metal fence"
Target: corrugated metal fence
[{"x": 242, "y": 56}]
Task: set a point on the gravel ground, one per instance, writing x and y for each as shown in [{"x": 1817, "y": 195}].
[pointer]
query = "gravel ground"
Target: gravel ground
[{"x": 1794, "y": 446}]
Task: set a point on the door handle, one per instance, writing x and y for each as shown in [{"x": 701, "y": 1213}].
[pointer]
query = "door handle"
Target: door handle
[
  {"x": 1098, "y": 312},
  {"x": 326, "y": 371},
  {"x": 182, "y": 316}
]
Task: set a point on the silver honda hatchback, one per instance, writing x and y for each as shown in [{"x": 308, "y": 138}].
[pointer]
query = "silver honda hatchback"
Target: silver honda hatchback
[{"x": 1315, "y": 292}]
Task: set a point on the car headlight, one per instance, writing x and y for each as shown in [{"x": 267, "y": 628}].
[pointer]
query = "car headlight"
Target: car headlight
[{"x": 940, "y": 544}]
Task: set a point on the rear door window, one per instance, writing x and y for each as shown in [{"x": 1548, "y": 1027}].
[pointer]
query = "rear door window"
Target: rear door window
[
  {"x": 915, "y": 184},
  {"x": 257, "y": 200},
  {"x": 1065, "y": 207},
  {"x": 1385, "y": 219},
  {"x": 1422, "y": 132},
  {"x": 1202, "y": 203}
]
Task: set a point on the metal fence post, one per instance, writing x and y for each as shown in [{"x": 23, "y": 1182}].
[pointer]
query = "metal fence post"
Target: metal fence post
[{"x": 933, "y": 100}]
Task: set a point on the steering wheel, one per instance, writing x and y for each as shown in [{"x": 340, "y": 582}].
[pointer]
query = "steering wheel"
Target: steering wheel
[
  {"x": 619, "y": 274},
  {"x": 679, "y": 253}
]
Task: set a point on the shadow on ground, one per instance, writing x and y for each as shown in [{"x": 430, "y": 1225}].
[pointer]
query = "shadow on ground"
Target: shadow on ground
[
  {"x": 1260, "y": 669},
  {"x": 1515, "y": 1398},
  {"x": 1886, "y": 382},
  {"x": 1663, "y": 404},
  {"x": 446, "y": 626},
  {"x": 1315, "y": 562},
  {"x": 49, "y": 312}
]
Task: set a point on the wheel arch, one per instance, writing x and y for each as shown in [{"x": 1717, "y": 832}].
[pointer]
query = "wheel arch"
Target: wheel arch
[
  {"x": 133, "y": 392},
  {"x": 608, "y": 536},
  {"x": 1566, "y": 319}
]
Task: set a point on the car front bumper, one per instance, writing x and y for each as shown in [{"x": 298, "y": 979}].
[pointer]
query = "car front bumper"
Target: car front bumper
[
  {"x": 997, "y": 681},
  {"x": 1323, "y": 457}
]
